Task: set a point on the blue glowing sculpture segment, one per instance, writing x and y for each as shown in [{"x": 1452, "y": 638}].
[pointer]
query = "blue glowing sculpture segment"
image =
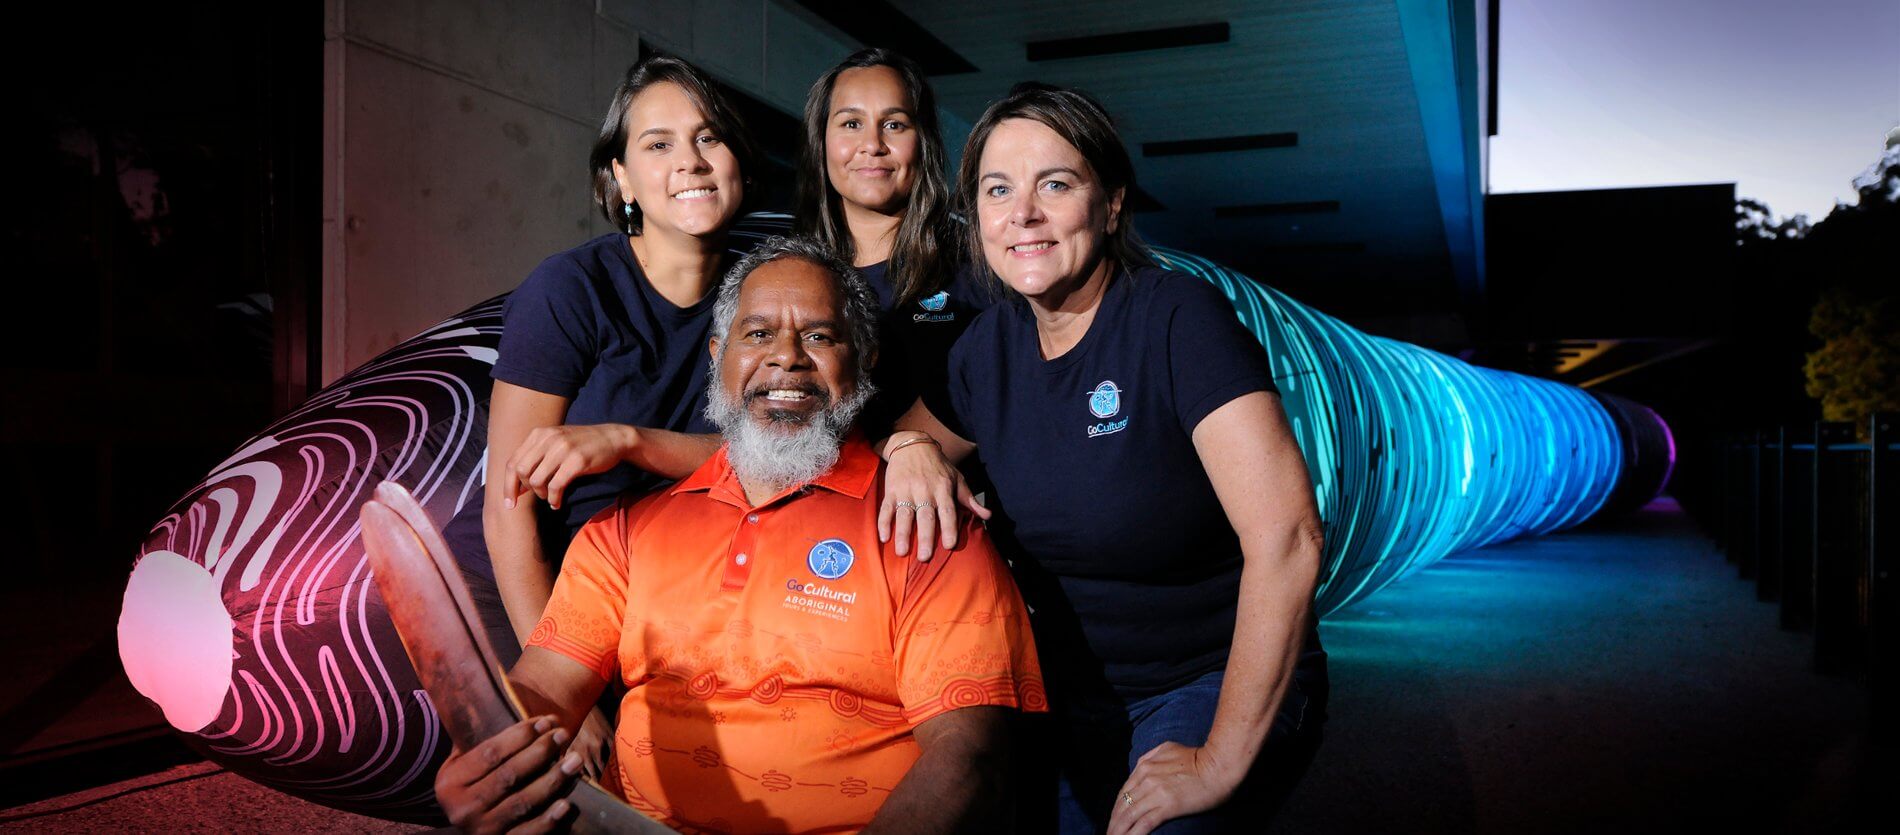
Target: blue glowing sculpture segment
[{"x": 1415, "y": 455}]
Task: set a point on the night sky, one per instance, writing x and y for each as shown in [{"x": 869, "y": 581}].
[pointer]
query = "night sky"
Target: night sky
[{"x": 1790, "y": 101}]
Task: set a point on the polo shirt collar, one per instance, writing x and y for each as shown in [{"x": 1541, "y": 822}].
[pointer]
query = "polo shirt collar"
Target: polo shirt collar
[{"x": 852, "y": 476}]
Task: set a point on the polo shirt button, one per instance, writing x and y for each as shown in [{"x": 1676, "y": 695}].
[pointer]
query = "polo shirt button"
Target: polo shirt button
[
  {"x": 754, "y": 518},
  {"x": 740, "y": 560}
]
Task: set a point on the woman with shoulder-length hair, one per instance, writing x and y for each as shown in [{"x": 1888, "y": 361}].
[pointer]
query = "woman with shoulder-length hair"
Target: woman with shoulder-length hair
[
  {"x": 1145, "y": 485},
  {"x": 873, "y": 186},
  {"x": 602, "y": 366}
]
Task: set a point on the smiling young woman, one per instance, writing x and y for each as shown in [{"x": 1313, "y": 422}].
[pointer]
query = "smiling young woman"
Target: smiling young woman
[
  {"x": 872, "y": 181},
  {"x": 872, "y": 155},
  {"x": 601, "y": 376},
  {"x": 873, "y": 188},
  {"x": 683, "y": 181}
]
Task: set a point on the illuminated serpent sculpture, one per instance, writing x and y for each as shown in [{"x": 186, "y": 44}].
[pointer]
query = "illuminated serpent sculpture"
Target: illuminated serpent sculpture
[
  {"x": 1415, "y": 455},
  {"x": 251, "y": 621}
]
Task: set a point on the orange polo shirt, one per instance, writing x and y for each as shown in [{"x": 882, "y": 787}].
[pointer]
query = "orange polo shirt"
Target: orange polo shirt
[{"x": 777, "y": 658}]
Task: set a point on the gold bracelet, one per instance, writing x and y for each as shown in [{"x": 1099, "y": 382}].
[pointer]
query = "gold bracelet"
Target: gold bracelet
[{"x": 922, "y": 438}]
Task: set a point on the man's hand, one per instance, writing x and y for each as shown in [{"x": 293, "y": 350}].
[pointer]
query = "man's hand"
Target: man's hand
[
  {"x": 511, "y": 782},
  {"x": 551, "y": 457},
  {"x": 1169, "y": 782},
  {"x": 595, "y": 743}
]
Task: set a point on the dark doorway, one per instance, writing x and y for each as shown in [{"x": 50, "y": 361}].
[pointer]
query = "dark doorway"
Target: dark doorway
[{"x": 163, "y": 242}]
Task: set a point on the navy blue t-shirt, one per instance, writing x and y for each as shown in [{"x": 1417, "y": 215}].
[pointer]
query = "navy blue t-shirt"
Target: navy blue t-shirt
[
  {"x": 1102, "y": 505},
  {"x": 586, "y": 325},
  {"x": 914, "y": 342}
]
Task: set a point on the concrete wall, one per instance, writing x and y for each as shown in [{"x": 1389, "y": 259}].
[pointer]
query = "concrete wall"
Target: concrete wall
[{"x": 456, "y": 135}]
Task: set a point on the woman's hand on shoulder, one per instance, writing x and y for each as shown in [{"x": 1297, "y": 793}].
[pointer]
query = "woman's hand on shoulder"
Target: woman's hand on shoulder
[
  {"x": 551, "y": 457},
  {"x": 922, "y": 492}
]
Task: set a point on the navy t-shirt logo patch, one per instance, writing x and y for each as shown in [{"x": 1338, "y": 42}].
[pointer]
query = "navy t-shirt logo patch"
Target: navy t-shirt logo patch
[
  {"x": 933, "y": 308},
  {"x": 1106, "y": 402}
]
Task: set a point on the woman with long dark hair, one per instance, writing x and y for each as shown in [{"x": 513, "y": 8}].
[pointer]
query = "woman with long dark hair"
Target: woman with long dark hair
[
  {"x": 872, "y": 178},
  {"x": 873, "y": 186},
  {"x": 601, "y": 377}
]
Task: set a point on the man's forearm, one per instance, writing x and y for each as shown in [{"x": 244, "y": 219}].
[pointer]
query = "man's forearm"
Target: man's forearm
[
  {"x": 535, "y": 701},
  {"x": 956, "y": 785},
  {"x": 547, "y": 682}
]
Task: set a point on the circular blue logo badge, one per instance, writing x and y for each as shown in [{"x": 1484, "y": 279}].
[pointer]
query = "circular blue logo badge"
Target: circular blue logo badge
[
  {"x": 1105, "y": 400},
  {"x": 934, "y": 303},
  {"x": 830, "y": 559}
]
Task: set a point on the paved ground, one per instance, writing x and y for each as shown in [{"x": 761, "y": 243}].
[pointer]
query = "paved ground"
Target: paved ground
[
  {"x": 199, "y": 797},
  {"x": 1616, "y": 679}
]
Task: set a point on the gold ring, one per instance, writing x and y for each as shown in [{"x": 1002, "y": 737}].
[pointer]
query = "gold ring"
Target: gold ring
[{"x": 1128, "y": 799}]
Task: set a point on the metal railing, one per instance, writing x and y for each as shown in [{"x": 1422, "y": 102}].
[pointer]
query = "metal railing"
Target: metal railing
[{"x": 1812, "y": 515}]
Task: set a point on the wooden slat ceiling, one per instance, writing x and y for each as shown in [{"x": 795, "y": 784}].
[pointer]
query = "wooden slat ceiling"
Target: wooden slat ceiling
[{"x": 1334, "y": 73}]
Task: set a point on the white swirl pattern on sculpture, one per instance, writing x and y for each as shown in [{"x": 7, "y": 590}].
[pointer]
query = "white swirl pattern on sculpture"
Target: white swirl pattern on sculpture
[{"x": 321, "y": 701}]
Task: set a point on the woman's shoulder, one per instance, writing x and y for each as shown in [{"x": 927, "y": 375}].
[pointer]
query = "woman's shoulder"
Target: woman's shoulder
[
  {"x": 1163, "y": 283},
  {"x": 583, "y": 277},
  {"x": 1160, "y": 291},
  {"x": 596, "y": 258}
]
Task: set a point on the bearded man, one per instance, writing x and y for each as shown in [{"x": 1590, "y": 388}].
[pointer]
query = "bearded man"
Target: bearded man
[{"x": 784, "y": 671}]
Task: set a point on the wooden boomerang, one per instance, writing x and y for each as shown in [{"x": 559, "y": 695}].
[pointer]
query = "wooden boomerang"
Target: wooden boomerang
[{"x": 442, "y": 632}]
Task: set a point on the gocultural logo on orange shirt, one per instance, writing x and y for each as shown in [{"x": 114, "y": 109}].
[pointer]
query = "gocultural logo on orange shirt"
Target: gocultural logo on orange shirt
[{"x": 824, "y": 601}]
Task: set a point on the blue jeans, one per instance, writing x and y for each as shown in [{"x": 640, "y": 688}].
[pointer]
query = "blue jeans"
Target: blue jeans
[{"x": 1100, "y": 743}]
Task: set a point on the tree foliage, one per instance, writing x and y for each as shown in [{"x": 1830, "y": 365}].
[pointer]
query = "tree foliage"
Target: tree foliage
[
  {"x": 1856, "y": 371},
  {"x": 1755, "y": 223}
]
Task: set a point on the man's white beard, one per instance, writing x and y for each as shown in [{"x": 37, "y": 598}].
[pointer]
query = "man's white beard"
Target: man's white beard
[{"x": 783, "y": 453}]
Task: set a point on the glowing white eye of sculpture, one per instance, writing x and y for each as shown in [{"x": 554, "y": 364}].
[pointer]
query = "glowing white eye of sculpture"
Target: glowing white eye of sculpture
[{"x": 175, "y": 639}]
